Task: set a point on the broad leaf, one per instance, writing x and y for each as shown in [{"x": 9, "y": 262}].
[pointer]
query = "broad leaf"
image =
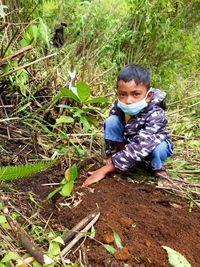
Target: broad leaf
[
  {"x": 67, "y": 188},
  {"x": 59, "y": 239},
  {"x": 64, "y": 119},
  {"x": 175, "y": 258},
  {"x": 73, "y": 172},
  {"x": 69, "y": 93},
  {"x": 54, "y": 248},
  {"x": 83, "y": 91},
  {"x": 43, "y": 32},
  {"x": 67, "y": 174},
  {"x": 3, "y": 222},
  {"x": 10, "y": 256},
  {"x": 33, "y": 32},
  {"x": 92, "y": 120},
  {"x": 86, "y": 125}
]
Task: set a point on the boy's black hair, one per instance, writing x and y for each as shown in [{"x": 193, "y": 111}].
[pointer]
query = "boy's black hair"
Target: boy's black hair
[{"x": 134, "y": 72}]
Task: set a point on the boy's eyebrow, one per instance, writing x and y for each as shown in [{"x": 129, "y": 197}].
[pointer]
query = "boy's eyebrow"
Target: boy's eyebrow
[{"x": 134, "y": 90}]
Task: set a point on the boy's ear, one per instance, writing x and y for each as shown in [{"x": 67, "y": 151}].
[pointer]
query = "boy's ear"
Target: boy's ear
[{"x": 149, "y": 96}]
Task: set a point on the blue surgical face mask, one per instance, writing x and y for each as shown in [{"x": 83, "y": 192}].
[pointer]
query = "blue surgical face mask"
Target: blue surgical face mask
[{"x": 135, "y": 108}]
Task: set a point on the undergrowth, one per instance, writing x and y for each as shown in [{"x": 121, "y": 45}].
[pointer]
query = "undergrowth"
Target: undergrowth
[{"x": 54, "y": 98}]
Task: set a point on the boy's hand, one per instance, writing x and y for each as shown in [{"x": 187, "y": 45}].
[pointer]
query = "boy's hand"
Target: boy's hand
[{"x": 99, "y": 174}]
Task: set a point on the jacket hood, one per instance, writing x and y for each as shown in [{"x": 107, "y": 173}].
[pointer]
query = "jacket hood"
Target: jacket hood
[{"x": 158, "y": 97}]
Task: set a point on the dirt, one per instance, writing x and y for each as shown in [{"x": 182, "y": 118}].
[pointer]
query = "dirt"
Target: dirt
[{"x": 144, "y": 217}]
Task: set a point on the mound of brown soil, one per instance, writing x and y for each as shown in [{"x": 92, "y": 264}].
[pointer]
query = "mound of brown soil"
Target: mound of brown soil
[{"x": 144, "y": 217}]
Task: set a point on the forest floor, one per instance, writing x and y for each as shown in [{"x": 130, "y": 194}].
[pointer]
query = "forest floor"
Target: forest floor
[{"x": 145, "y": 217}]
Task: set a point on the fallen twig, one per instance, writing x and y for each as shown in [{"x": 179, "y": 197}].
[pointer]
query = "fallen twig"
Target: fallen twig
[
  {"x": 80, "y": 226},
  {"x": 26, "y": 241},
  {"x": 16, "y": 54},
  {"x": 81, "y": 234},
  {"x": 27, "y": 65}
]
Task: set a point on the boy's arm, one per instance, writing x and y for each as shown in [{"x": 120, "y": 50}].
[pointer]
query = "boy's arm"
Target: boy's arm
[
  {"x": 143, "y": 143},
  {"x": 99, "y": 174}
]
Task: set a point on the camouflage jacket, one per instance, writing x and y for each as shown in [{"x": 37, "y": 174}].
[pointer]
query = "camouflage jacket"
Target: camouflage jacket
[{"x": 143, "y": 132}]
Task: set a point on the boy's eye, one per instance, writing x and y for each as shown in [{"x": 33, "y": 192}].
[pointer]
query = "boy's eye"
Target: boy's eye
[
  {"x": 122, "y": 94},
  {"x": 136, "y": 94}
]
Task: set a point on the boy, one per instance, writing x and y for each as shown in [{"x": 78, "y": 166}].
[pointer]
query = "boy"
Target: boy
[{"x": 135, "y": 129}]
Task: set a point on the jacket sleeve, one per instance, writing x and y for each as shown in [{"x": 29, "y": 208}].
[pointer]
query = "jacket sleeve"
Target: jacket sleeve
[{"x": 143, "y": 143}]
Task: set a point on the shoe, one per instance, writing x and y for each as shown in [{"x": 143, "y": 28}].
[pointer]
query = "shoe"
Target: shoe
[
  {"x": 111, "y": 148},
  {"x": 160, "y": 174}
]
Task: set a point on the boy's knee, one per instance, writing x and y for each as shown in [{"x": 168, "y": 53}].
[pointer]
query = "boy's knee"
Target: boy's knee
[
  {"x": 163, "y": 150},
  {"x": 112, "y": 121}
]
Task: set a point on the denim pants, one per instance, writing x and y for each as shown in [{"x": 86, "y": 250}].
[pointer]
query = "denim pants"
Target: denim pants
[{"x": 113, "y": 131}]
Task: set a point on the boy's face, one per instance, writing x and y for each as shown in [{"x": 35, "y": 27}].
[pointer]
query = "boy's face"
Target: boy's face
[{"x": 130, "y": 92}]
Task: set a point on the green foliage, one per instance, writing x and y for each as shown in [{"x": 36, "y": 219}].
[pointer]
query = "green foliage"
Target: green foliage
[
  {"x": 83, "y": 109},
  {"x": 2, "y": 11},
  {"x": 66, "y": 185},
  {"x": 35, "y": 34},
  {"x": 54, "y": 246},
  {"x": 175, "y": 258},
  {"x": 20, "y": 171}
]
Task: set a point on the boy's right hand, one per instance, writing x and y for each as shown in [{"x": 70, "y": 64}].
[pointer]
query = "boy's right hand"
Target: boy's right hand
[{"x": 99, "y": 174}]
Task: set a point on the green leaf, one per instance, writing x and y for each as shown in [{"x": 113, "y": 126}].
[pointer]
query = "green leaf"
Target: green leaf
[
  {"x": 99, "y": 99},
  {"x": 10, "y": 256},
  {"x": 69, "y": 93},
  {"x": 93, "y": 232},
  {"x": 67, "y": 188},
  {"x": 175, "y": 258},
  {"x": 92, "y": 120},
  {"x": 83, "y": 91},
  {"x": 51, "y": 194},
  {"x": 86, "y": 125},
  {"x": 4, "y": 222},
  {"x": 37, "y": 264},
  {"x": 33, "y": 32},
  {"x": 54, "y": 248},
  {"x": 64, "y": 119},
  {"x": 58, "y": 239},
  {"x": 117, "y": 239},
  {"x": 109, "y": 248},
  {"x": 43, "y": 32},
  {"x": 73, "y": 172},
  {"x": 24, "y": 43}
]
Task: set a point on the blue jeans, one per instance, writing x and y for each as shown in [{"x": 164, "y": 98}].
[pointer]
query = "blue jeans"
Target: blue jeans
[{"x": 114, "y": 129}]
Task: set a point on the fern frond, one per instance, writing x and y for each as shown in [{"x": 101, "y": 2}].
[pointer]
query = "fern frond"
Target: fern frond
[{"x": 28, "y": 169}]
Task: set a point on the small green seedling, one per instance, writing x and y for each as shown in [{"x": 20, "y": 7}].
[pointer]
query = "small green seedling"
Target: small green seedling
[{"x": 67, "y": 184}]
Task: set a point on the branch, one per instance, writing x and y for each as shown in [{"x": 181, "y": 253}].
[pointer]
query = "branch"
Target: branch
[
  {"x": 80, "y": 226},
  {"x": 79, "y": 236},
  {"x": 16, "y": 54},
  {"x": 27, "y": 65},
  {"x": 25, "y": 240}
]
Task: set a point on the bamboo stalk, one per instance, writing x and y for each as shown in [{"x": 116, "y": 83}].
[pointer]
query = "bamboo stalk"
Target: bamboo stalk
[
  {"x": 186, "y": 171},
  {"x": 174, "y": 112},
  {"x": 27, "y": 65},
  {"x": 184, "y": 99},
  {"x": 26, "y": 241},
  {"x": 65, "y": 251},
  {"x": 80, "y": 226},
  {"x": 16, "y": 54}
]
